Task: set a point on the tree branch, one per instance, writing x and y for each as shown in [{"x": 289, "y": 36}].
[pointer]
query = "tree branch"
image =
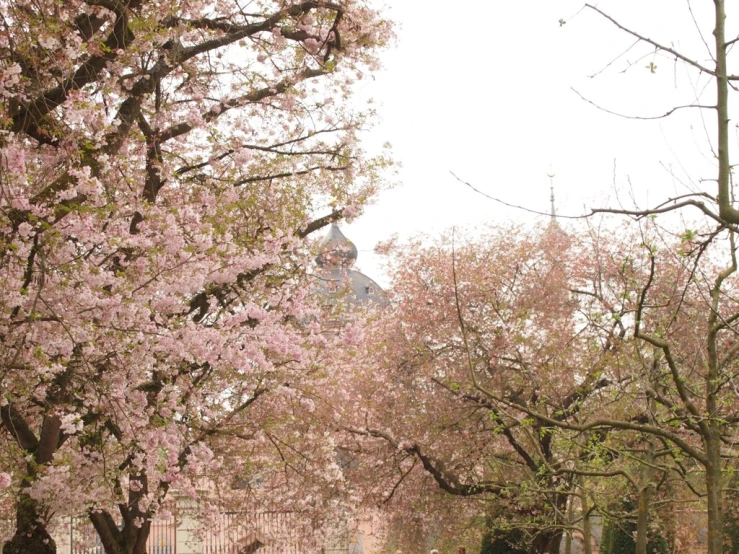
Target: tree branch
[{"x": 658, "y": 45}]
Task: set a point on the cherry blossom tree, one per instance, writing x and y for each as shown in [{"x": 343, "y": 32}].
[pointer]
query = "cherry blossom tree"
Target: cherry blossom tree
[
  {"x": 494, "y": 313},
  {"x": 161, "y": 163},
  {"x": 682, "y": 308},
  {"x": 521, "y": 369}
]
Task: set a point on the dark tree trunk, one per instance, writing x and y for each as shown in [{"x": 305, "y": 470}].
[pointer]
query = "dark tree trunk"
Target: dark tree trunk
[
  {"x": 714, "y": 488},
  {"x": 31, "y": 536},
  {"x": 131, "y": 537},
  {"x": 128, "y": 540},
  {"x": 142, "y": 537},
  {"x": 546, "y": 542}
]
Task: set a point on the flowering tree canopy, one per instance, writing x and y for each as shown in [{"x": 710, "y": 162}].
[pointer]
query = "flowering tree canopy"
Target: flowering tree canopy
[
  {"x": 493, "y": 313},
  {"x": 160, "y": 162},
  {"x": 518, "y": 370}
]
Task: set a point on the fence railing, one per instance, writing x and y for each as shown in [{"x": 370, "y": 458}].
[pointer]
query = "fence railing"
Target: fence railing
[
  {"x": 270, "y": 532},
  {"x": 244, "y": 533},
  {"x": 83, "y": 538},
  {"x": 78, "y": 536}
]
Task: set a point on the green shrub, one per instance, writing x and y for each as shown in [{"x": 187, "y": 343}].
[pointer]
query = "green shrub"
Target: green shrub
[
  {"x": 606, "y": 539},
  {"x": 619, "y": 538},
  {"x": 731, "y": 536},
  {"x": 498, "y": 542}
]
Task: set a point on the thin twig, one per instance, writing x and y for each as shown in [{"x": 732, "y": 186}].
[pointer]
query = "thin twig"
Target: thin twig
[
  {"x": 642, "y": 117},
  {"x": 478, "y": 191}
]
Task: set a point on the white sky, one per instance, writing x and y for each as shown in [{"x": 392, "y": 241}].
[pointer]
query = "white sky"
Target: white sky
[{"x": 484, "y": 88}]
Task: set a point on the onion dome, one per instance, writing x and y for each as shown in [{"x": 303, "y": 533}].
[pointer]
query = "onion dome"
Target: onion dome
[{"x": 336, "y": 250}]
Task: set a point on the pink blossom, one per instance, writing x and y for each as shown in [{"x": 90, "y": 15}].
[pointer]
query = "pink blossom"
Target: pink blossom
[
  {"x": 124, "y": 233},
  {"x": 312, "y": 45},
  {"x": 242, "y": 156}
]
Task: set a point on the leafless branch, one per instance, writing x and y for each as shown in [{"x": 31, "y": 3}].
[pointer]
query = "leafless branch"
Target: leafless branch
[
  {"x": 478, "y": 191},
  {"x": 642, "y": 117},
  {"x": 658, "y": 45}
]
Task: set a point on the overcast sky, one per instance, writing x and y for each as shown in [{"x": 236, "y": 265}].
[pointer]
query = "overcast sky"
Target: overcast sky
[{"x": 487, "y": 89}]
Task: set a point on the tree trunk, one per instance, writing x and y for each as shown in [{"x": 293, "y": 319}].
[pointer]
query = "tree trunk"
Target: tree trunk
[
  {"x": 642, "y": 520},
  {"x": 129, "y": 540},
  {"x": 570, "y": 517},
  {"x": 546, "y": 542},
  {"x": 714, "y": 489},
  {"x": 142, "y": 537},
  {"x": 587, "y": 535},
  {"x": 31, "y": 536},
  {"x": 642, "y": 508}
]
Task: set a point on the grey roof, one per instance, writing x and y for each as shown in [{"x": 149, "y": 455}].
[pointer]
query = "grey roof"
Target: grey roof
[{"x": 351, "y": 285}]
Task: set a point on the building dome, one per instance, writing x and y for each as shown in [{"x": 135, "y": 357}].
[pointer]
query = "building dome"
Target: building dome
[
  {"x": 336, "y": 251},
  {"x": 336, "y": 256}
]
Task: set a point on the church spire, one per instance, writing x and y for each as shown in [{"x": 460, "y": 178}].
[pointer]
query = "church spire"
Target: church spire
[{"x": 553, "y": 213}]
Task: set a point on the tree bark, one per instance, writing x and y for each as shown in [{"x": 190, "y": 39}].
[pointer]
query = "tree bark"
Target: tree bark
[
  {"x": 642, "y": 508},
  {"x": 726, "y": 208},
  {"x": 130, "y": 540},
  {"x": 546, "y": 542},
  {"x": 587, "y": 534},
  {"x": 714, "y": 493},
  {"x": 642, "y": 520},
  {"x": 31, "y": 536},
  {"x": 570, "y": 517}
]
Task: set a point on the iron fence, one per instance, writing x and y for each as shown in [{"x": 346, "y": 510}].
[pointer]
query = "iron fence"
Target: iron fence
[
  {"x": 83, "y": 538},
  {"x": 270, "y": 532}
]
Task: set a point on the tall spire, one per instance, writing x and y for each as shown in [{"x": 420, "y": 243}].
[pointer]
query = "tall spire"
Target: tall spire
[{"x": 551, "y": 196}]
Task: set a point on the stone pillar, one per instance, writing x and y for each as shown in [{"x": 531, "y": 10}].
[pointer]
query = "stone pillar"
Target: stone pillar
[
  {"x": 189, "y": 540},
  {"x": 62, "y": 534}
]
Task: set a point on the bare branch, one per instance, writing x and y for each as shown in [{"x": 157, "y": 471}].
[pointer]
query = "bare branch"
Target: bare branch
[
  {"x": 478, "y": 191},
  {"x": 642, "y": 117},
  {"x": 655, "y": 211},
  {"x": 658, "y": 45}
]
